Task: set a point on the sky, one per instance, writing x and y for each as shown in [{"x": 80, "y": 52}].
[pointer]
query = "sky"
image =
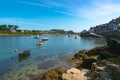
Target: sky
[{"x": 75, "y": 15}]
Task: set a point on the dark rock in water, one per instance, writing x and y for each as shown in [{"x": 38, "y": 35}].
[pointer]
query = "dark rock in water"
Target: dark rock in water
[
  {"x": 22, "y": 58},
  {"x": 24, "y": 53},
  {"x": 52, "y": 74}
]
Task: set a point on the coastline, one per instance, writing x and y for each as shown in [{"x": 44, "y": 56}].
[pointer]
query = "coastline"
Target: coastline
[
  {"x": 34, "y": 34},
  {"x": 97, "y": 63},
  {"x": 17, "y": 34}
]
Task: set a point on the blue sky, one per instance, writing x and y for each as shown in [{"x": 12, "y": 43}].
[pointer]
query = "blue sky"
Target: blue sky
[{"x": 75, "y": 15}]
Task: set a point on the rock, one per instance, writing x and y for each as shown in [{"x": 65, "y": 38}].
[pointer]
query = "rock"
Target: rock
[
  {"x": 74, "y": 74},
  {"x": 114, "y": 71},
  {"x": 99, "y": 72},
  {"x": 107, "y": 71},
  {"x": 81, "y": 54},
  {"x": 53, "y": 74},
  {"x": 87, "y": 63},
  {"x": 113, "y": 45}
]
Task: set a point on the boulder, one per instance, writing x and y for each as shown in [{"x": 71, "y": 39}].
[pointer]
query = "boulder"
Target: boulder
[
  {"x": 87, "y": 63},
  {"x": 107, "y": 71},
  {"x": 114, "y": 71},
  {"x": 74, "y": 74},
  {"x": 81, "y": 54},
  {"x": 113, "y": 45},
  {"x": 53, "y": 74}
]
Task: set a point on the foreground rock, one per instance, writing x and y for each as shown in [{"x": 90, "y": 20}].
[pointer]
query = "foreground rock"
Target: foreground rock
[
  {"x": 75, "y": 74},
  {"x": 53, "y": 74},
  {"x": 105, "y": 70}
]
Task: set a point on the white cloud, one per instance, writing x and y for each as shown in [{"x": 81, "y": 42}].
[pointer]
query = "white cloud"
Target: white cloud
[
  {"x": 93, "y": 10},
  {"x": 100, "y": 11},
  {"x": 33, "y": 3}
]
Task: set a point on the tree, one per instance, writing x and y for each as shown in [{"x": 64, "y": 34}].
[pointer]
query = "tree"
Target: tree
[
  {"x": 10, "y": 26},
  {"x": 118, "y": 27},
  {"x": 4, "y": 28},
  {"x": 70, "y": 32},
  {"x": 16, "y": 27}
]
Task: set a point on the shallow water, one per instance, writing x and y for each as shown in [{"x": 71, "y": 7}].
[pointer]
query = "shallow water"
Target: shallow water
[{"x": 53, "y": 53}]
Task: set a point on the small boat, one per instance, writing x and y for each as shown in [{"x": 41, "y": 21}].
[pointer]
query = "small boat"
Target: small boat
[
  {"x": 40, "y": 43},
  {"x": 36, "y": 37},
  {"x": 45, "y": 39}
]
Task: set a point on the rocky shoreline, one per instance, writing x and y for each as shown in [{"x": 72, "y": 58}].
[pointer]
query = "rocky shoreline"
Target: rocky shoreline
[{"x": 100, "y": 63}]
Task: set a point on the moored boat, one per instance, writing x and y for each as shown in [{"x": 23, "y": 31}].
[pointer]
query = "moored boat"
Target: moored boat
[
  {"x": 45, "y": 39},
  {"x": 40, "y": 43},
  {"x": 36, "y": 37}
]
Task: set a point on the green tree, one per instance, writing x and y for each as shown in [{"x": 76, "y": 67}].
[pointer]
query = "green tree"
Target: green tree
[
  {"x": 16, "y": 27},
  {"x": 70, "y": 32},
  {"x": 3, "y": 28},
  {"x": 119, "y": 27},
  {"x": 10, "y": 26}
]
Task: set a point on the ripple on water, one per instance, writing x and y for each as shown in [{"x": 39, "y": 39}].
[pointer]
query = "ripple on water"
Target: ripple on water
[{"x": 46, "y": 64}]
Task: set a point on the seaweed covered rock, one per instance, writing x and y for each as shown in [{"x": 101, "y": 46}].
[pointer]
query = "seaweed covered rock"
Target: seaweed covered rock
[
  {"x": 113, "y": 46},
  {"x": 115, "y": 60},
  {"x": 98, "y": 71},
  {"x": 88, "y": 62},
  {"x": 53, "y": 74},
  {"x": 114, "y": 71},
  {"x": 81, "y": 54},
  {"x": 105, "y": 70},
  {"x": 101, "y": 52}
]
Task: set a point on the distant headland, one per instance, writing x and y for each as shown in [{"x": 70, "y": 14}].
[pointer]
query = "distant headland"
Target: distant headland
[{"x": 13, "y": 30}]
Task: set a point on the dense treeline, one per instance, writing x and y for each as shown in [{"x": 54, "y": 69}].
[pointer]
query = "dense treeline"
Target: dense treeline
[{"x": 8, "y": 27}]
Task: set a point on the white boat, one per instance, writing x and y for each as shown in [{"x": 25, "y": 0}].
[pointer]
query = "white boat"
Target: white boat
[
  {"x": 45, "y": 39},
  {"x": 40, "y": 43},
  {"x": 36, "y": 37}
]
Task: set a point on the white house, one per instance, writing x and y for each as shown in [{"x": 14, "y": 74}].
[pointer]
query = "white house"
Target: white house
[
  {"x": 112, "y": 26},
  {"x": 12, "y": 30},
  {"x": 91, "y": 29}
]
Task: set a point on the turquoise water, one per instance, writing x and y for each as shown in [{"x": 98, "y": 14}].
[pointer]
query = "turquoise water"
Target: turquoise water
[{"x": 53, "y": 53}]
